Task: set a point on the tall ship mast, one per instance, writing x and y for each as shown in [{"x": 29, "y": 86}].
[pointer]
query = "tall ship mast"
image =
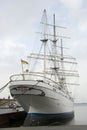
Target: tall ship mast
[{"x": 44, "y": 92}]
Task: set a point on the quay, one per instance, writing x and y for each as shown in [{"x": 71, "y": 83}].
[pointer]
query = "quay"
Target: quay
[{"x": 72, "y": 127}]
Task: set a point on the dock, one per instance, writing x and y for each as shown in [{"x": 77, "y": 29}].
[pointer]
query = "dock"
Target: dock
[{"x": 74, "y": 127}]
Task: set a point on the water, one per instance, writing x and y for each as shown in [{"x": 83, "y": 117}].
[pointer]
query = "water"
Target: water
[{"x": 80, "y": 117}]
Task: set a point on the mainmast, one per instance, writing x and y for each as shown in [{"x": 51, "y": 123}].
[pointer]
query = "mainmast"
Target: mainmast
[
  {"x": 62, "y": 80},
  {"x": 54, "y": 48}
]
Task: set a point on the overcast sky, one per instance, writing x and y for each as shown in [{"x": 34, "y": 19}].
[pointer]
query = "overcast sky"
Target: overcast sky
[{"x": 20, "y": 19}]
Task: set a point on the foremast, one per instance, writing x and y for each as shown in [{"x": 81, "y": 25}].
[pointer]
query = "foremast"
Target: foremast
[{"x": 44, "y": 40}]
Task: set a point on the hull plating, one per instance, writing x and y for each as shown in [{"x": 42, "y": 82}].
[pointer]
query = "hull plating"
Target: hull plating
[{"x": 43, "y": 105}]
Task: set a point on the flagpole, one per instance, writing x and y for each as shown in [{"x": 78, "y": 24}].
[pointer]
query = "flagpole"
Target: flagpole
[{"x": 22, "y": 70}]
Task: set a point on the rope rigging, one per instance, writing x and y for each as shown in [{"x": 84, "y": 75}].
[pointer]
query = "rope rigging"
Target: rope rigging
[
  {"x": 37, "y": 58},
  {"x": 1, "y": 89}
]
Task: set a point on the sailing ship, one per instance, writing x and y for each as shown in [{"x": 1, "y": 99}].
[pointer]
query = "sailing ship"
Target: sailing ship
[{"x": 44, "y": 94}]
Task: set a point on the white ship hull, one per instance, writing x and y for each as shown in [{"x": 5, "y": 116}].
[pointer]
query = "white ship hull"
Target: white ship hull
[{"x": 43, "y": 103}]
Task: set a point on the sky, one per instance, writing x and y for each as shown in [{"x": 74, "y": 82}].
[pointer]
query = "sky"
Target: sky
[{"x": 19, "y": 22}]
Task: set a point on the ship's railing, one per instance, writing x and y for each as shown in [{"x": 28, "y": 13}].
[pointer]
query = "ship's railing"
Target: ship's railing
[
  {"x": 32, "y": 76},
  {"x": 39, "y": 78}
]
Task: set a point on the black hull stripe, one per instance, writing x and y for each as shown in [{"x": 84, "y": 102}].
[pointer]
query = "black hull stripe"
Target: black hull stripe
[
  {"x": 40, "y": 119},
  {"x": 56, "y": 114}
]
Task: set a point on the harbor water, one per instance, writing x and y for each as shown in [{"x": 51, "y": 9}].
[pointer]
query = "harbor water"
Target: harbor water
[{"x": 80, "y": 117}]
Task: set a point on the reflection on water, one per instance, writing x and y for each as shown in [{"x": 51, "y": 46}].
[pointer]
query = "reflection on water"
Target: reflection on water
[{"x": 80, "y": 117}]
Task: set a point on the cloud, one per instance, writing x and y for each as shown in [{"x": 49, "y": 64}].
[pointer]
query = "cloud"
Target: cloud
[
  {"x": 82, "y": 20},
  {"x": 73, "y": 4},
  {"x": 83, "y": 26}
]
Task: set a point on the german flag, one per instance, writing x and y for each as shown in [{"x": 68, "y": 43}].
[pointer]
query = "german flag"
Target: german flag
[{"x": 24, "y": 62}]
